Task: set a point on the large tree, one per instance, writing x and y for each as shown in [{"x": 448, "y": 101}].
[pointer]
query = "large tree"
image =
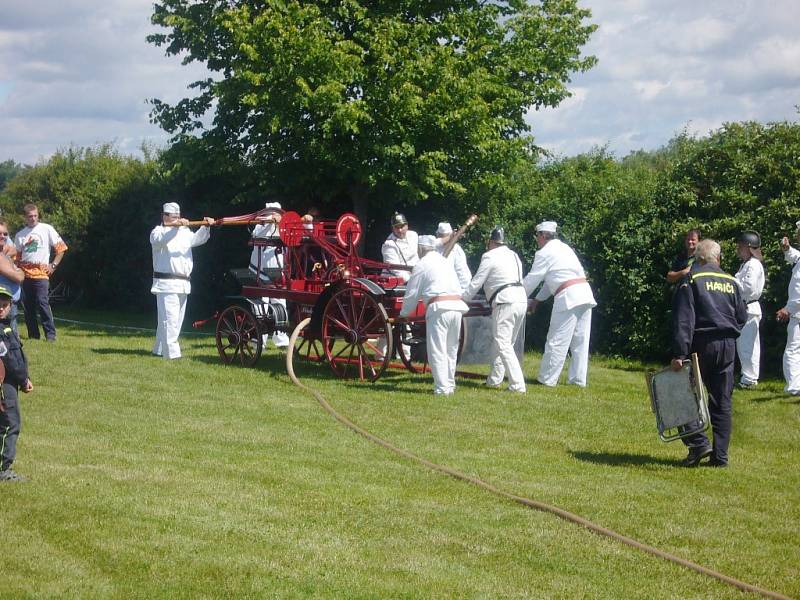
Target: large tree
[{"x": 412, "y": 98}]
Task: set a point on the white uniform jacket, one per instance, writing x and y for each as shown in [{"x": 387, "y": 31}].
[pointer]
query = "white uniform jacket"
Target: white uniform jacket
[
  {"x": 432, "y": 276},
  {"x": 499, "y": 267},
  {"x": 750, "y": 277},
  {"x": 792, "y": 257},
  {"x": 458, "y": 260},
  {"x": 554, "y": 264},
  {"x": 172, "y": 253},
  {"x": 401, "y": 252},
  {"x": 270, "y": 259}
]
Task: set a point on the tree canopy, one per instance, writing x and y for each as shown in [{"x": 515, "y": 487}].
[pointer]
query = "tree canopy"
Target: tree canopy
[{"x": 413, "y": 98}]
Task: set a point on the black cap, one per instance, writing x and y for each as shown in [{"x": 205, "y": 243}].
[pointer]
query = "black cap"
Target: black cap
[
  {"x": 398, "y": 219},
  {"x": 753, "y": 241},
  {"x": 751, "y": 238},
  {"x": 498, "y": 235}
]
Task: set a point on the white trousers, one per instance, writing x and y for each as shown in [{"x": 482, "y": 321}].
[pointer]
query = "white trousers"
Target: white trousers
[
  {"x": 442, "y": 329},
  {"x": 279, "y": 338},
  {"x": 171, "y": 308},
  {"x": 507, "y": 320},
  {"x": 791, "y": 357},
  {"x": 748, "y": 345},
  {"x": 569, "y": 330}
]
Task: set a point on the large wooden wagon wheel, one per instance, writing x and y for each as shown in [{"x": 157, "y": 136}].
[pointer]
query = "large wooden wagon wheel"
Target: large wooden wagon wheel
[
  {"x": 238, "y": 337},
  {"x": 412, "y": 345},
  {"x": 356, "y": 335}
]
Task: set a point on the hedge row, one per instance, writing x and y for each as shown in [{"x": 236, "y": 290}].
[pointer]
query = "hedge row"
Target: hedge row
[{"x": 625, "y": 218}]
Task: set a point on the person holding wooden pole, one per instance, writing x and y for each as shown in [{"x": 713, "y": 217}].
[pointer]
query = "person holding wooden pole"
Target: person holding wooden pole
[{"x": 172, "y": 243}]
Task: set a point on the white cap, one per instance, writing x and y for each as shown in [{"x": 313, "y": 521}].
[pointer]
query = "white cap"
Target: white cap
[
  {"x": 797, "y": 225},
  {"x": 427, "y": 241},
  {"x": 444, "y": 229},
  {"x": 171, "y": 208},
  {"x": 276, "y": 206},
  {"x": 548, "y": 226}
]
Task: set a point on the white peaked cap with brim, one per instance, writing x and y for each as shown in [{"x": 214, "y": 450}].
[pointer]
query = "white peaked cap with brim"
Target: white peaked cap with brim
[
  {"x": 444, "y": 229},
  {"x": 427, "y": 241},
  {"x": 547, "y": 226}
]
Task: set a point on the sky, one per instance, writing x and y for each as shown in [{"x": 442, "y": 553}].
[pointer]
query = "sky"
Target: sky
[{"x": 79, "y": 72}]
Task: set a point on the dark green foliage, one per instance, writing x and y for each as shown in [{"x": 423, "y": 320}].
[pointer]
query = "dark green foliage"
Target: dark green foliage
[
  {"x": 103, "y": 205},
  {"x": 8, "y": 170},
  {"x": 626, "y": 219}
]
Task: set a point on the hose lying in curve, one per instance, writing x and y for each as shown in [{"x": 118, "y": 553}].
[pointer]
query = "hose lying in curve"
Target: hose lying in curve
[{"x": 534, "y": 504}]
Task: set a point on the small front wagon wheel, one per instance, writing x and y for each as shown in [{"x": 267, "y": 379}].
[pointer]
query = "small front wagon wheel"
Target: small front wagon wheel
[{"x": 238, "y": 337}]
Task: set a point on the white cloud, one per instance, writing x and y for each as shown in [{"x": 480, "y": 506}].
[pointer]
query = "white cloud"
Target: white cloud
[
  {"x": 79, "y": 72},
  {"x": 649, "y": 89},
  {"x": 666, "y": 66}
]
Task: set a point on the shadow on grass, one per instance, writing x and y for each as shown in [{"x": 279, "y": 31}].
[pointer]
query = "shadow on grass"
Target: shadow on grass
[
  {"x": 125, "y": 351},
  {"x": 775, "y": 397},
  {"x": 623, "y": 459}
]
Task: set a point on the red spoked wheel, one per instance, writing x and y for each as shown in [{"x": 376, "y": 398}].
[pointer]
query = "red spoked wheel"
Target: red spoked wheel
[
  {"x": 412, "y": 345},
  {"x": 356, "y": 335},
  {"x": 348, "y": 230},
  {"x": 303, "y": 347},
  {"x": 238, "y": 337}
]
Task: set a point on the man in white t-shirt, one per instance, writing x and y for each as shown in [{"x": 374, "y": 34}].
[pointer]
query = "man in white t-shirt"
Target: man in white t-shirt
[
  {"x": 34, "y": 244},
  {"x": 172, "y": 243}
]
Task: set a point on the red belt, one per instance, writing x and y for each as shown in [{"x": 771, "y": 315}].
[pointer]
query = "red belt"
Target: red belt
[
  {"x": 443, "y": 298},
  {"x": 568, "y": 283}
]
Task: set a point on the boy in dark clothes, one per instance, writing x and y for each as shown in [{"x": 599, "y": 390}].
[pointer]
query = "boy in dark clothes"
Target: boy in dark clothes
[{"x": 14, "y": 376}]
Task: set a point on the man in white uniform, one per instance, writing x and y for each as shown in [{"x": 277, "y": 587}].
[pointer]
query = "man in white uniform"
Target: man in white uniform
[
  {"x": 750, "y": 278},
  {"x": 500, "y": 275},
  {"x": 558, "y": 268},
  {"x": 400, "y": 248},
  {"x": 790, "y": 314},
  {"x": 434, "y": 281},
  {"x": 270, "y": 259},
  {"x": 172, "y": 244},
  {"x": 456, "y": 258}
]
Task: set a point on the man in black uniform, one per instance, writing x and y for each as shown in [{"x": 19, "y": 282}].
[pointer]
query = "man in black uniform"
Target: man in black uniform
[
  {"x": 14, "y": 378},
  {"x": 707, "y": 315}
]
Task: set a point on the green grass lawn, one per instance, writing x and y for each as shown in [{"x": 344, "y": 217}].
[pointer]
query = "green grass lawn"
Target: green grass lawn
[{"x": 150, "y": 478}]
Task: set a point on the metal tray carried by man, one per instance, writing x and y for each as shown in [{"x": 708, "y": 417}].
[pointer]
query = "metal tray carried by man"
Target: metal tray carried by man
[{"x": 679, "y": 400}]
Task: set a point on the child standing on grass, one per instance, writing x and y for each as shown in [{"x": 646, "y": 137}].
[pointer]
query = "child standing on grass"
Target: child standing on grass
[{"x": 14, "y": 377}]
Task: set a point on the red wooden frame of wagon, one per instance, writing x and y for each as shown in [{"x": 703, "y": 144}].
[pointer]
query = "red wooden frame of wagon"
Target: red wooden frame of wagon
[{"x": 340, "y": 308}]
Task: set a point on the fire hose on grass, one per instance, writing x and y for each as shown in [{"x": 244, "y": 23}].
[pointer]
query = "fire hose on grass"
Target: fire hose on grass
[{"x": 533, "y": 504}]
